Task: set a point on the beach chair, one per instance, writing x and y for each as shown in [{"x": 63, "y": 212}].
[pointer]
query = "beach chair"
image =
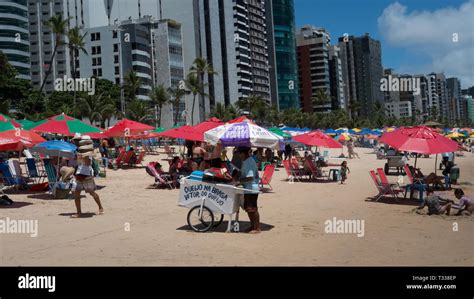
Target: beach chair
[
  {"x": 315, "y": 172},
  {"x": 161, "y": 179},
  {"x": 292, "y": 169},
  {"x": 119, "y": 160},
  {"x": 169, "y": 151},
  {"x": 140, "y": 158},
  {"x": 51, "y": 174},
  {"x": 10, "y": 181},
  {"x": 267, "y": 176},
  {"x": 33, "y": 171},
  {"x": 382, "y": 191},
  {"x": 286, "y": 165},
  {"x": 415, "y": 183},
  {"x": 325, "y": 155},
  {"x": 393, "y": 189},
  {"x": 96, "y": 167}
]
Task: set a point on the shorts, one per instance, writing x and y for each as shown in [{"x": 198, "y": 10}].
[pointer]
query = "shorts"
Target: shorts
[
  {"x": 198, "y": 160},
  {"x": 87, "y": 185},
  {"x": 250, "y": 203}
]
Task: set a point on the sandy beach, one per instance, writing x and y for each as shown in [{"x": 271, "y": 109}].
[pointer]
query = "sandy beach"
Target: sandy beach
[{"x": 293, "y": 218}]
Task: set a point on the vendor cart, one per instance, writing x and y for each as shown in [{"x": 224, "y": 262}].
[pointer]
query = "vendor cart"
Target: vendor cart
[
  {"x": 396, "y": 162},
  {"x": 209, "y": 202}
]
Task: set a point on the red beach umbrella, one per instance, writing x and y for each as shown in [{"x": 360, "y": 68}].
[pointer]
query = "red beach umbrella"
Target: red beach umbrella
[
  {"x": 126, "y": 128},
  {"x": 208, "y": 125},
  {"x": 184, "y": 132},
  {"x": 421, "y": 139},
  {"x": 317, "y": 138},
  {"x": 16, "y": 140}
]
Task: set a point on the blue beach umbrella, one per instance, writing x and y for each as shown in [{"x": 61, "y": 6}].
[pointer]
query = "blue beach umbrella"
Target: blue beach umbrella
[{"x": 56, "y": 148}]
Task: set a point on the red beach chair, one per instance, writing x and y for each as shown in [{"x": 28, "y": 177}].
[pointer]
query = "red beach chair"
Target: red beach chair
[
  {"x": 392, "y": 189},
  {"x": 267, "y": 176}
]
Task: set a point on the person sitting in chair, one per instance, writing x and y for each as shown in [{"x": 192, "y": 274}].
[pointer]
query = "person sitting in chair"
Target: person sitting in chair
[{"x": 431, "y": 179}]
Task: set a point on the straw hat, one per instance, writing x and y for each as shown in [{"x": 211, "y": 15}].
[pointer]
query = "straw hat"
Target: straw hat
[
  {"x": 77, "y": 136},
  {"x": 66, "y": 172}
]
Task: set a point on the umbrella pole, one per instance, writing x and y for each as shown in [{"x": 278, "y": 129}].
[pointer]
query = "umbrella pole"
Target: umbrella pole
[
  {"x": 436, "y": 163},
  {"x": 416, "y": 159}
]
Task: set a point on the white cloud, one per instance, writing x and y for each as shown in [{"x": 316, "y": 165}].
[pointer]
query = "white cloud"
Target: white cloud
[{"x": 431, "y": 33}]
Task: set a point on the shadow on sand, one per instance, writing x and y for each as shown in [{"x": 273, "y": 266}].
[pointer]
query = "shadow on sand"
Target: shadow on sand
[
  {"x": 16, "y": 205},
  {"x": 244, "y": 225},
  {"x": 391, "y": 201},
  {"x": 83, "y": 215}
]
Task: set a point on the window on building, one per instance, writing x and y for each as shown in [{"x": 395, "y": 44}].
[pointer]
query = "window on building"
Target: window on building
[
  {"x": 99, "y": 50},
  {"x": 117, "y": 70},
  {"x": 115, "y": 47},
  {"x": 114, "y": 34},
  {"x": 116, "y": 59},
  {"x": 99, "y": 72}
]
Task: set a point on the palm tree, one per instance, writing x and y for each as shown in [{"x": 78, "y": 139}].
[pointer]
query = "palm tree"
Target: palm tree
[
  {"x": 201, "y": 68},
  {"x": 194, "y": 86},
  {"x": 176, "y": 93},
  {"x": 58, "y": 27},
  {"x": 159, "y": 96},
  {"x": 139, "y": 111},
  {"x": 97, "y": 108},
  {"x": 320, "y": 98},
  {"x": 131, "y": 85},
  {"x": 76, "y": 43}
]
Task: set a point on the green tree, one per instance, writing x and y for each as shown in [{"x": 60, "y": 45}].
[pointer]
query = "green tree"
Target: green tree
[
  {"x": 201, "y": 68},
  {"x": 177, "y": 93},
  {"x": 159, "y": 97},
  {"x": 58, "y": 27},
  {"x": 7, "y": 82},
  {"x": 76, "y": 43},
  {"x": 195, "y": 87},
  {"x": 97, "y": 108},
  {"x": 320, "y": 99},
  {"x": 131, "y": 85},
  {"x": 138, "y": 110}
]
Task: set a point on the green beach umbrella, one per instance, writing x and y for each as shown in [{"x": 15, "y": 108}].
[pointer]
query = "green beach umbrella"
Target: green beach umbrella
[
  {"x": 159, "y": 130},
  {"x": 279, "y": 132},
  {"x": 6, "y": 126},
  {"x": 65, "y": 125}
]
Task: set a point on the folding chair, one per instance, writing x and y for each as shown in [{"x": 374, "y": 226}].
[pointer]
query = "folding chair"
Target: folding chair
[
  {"x": 140, "y": 158},
  {"x": 10, "y": 181},
  {"x": 33, "y": 171},
  {"x": 161, "y": 179},
  {"x": 393, "y": 189},
  {"x": 415, "y": 183},
  {"x": 267, "y": 176},
  {"x": 51, "y": 174},
  {"x": 382, "y": 191}
]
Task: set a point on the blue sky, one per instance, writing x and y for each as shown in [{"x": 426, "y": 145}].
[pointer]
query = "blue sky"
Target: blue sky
[{"x": 401, "y": 50}]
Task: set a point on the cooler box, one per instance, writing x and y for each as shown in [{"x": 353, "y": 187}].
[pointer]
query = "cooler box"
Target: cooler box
[{"x": 197, "y": 176}]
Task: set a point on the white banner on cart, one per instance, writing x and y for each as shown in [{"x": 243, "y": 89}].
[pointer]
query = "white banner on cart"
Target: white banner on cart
[{"x": 217, "y": 197}]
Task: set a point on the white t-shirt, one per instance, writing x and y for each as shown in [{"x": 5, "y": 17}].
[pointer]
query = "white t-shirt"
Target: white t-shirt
[{"x": 84, "y": 170}]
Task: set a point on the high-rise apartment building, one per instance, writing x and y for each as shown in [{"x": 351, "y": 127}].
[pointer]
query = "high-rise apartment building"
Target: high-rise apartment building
[
  {"x": 338, "y": 97},
  {"x": 169, "y": 66},
  {"x": 313, "y": 63},
  {"x": 282, "y": 51},
  {"x": 362, "y": 70},
  {"x": 42, "y": 40},
  {"x": 14, "y": 35},
  {"x": 453, "y": 100}
]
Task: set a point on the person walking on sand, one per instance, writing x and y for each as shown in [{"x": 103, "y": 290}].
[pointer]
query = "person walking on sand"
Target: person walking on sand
[
  {"x": 249, "y": 179},
  {"x": 84, "y": 177},
  {"x": 344, "y": 171}
]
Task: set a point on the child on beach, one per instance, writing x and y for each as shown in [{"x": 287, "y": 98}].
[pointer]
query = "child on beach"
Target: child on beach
[
  {"x": 344, "y": 171},
  {"x": 465, "y": 204}
]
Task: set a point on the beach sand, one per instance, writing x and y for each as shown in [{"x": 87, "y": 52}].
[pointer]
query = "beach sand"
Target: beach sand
[{"x": 293, "y": 220}]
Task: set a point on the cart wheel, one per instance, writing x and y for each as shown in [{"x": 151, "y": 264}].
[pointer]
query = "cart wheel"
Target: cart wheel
[
  {"x": 218, "y": 218},
  {"x": 200, "y": 221}
]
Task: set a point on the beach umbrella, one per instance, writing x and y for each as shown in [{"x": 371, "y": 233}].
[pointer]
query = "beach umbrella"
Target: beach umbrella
[
  {"x": 5, "y": 126},
  {"x": 208, "y": 125},
  {"x": 55, "y": 148},
  {"x": 357, "y": 130},
  {"x": 421, "y": 140},
  {"x": 29, "y": 125},
  {"x": 456, "y": 135},
  {"x": 330, "y": 132},
  {"x": 279, "y": 132},
  {"x": 240, "y": 119},
  {"x": 65, "y": 125},
  {"x": 99, "y": 135},
  {"x": 6, "y": 118},
  {"x": 126, "y": 128},
  {"x": 185, "y": 132},
  {"x": 432, "y": 124},
  {"x": 158, "y": 130},
  {"x": 245, "y": 133},
  {"x": 343, "y": 137},
  {"x": 317, "y": 138},
  {"x": 23, "y": 135}
]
